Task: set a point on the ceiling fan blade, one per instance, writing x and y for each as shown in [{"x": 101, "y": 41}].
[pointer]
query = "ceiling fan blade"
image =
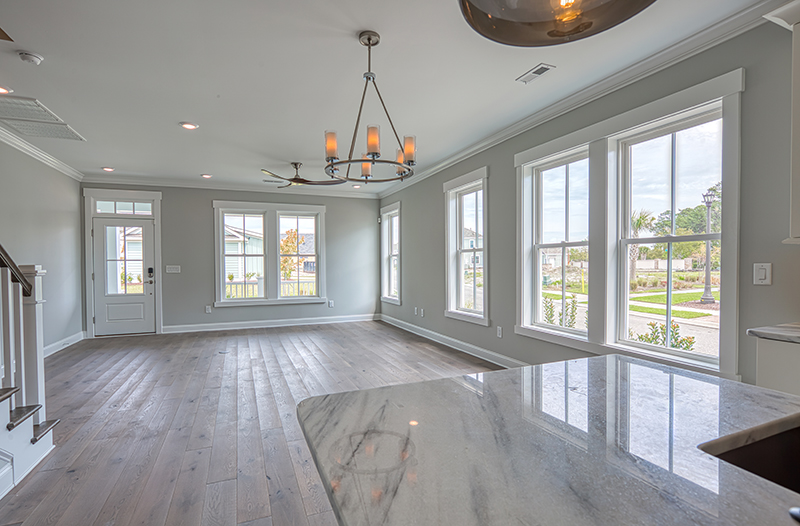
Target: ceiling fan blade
[
  {"x": 4, "y": 36},
  {"x": 320, "y": 183},
  {"x": 267, "y": 172}
]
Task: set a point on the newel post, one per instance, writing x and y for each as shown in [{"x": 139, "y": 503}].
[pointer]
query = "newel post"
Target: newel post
[{"x": 34, "y": 341}]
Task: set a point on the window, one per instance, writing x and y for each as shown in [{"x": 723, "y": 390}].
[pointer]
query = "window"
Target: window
[
  {"x": 269, "y": 253},
  {"x": 560, "y": 245},
  {"x": 672, "y": 186},
  {"x": 653, "y": 260},
  {"x": 123, "y": 208},
  {"x": 390, "y": 254},
  {"x": 466, "y": 245}
]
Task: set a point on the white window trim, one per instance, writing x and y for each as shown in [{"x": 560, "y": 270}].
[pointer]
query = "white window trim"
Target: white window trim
[
  {"x": 271, "y": 211},
  {"x": 451, "y": 190},
  {"x": 90, "y": 198},
  {"x": 387, "y": 212},
  {"x": 604, "y": 220}
]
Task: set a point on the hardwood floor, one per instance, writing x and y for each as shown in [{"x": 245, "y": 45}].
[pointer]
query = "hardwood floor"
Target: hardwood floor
[{"x": 200, "y": 429}]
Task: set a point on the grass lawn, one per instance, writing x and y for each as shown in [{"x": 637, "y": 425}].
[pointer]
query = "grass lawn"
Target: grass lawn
[
  {"x": 677, "y": 297},
  {"x": 675, "y": 313},
  {"x": 551, "y": 296}
]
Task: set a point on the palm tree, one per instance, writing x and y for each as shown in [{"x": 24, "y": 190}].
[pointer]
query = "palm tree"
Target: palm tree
[{"x": 641, "y": 220}]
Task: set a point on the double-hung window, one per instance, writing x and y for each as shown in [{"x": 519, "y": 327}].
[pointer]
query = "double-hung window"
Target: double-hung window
[
  {"x": 633, "y": 208},
  {"x": 466, "y": 247},
  {"x": 390, "y": 253},
  {"x": 559, "y": 250},
  {"x": 269, "y": 253}
]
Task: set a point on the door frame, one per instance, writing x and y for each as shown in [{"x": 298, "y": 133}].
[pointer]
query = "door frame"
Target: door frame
[{"x": 91, "y": 196}]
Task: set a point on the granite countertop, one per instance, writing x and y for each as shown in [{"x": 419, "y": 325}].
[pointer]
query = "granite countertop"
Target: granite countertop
[
  {"x": 788, "y": 332},
  {"x": 599, "y": 441}
]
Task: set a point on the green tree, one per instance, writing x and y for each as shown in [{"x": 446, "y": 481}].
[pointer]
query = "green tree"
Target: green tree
[
  {"x": 641, "y": 220},
  {"x": 579, "y": 254}
]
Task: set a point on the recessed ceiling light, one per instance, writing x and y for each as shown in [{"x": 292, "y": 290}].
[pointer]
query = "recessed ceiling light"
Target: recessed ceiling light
[
  {"x": 206, "y": 176},
  {"x": 189, "y": 125},
  {"x": 5, "y": 91},
  {"x": 356, "y": 186},
  {"x": 108, "y": 169}
]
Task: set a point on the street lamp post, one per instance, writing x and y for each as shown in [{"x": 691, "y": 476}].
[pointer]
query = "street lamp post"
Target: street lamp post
[{"x": 707, "y": 297}]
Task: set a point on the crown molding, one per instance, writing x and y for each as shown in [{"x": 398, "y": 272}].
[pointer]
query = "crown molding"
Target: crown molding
[
  {"x": 743, "y": 21},
  {"x": 40, "y": 155},
  {"x": 307, "y": 190}
]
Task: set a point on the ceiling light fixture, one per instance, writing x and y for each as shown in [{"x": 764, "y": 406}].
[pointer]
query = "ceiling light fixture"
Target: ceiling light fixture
[
  {"x": 297, "y": 180},
  {"x": 189, "y": 125},
  {"x": 407, "y": 149},
  {"x": 5, "y": 91},
  {"x": 546, "y": 22},
  {"x": 108, "y": 169},
  {"x": 356, "y": 186},
  {"x": 206, "y": 176}
]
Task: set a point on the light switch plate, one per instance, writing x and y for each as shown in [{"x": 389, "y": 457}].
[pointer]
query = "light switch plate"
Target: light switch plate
[
  {"x": 762, "y": 273},
  {"x": 173, "y": 269}
]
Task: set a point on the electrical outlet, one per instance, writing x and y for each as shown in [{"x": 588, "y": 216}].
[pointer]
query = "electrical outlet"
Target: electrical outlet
[
  {"x": 415, "y": 311},
  {"x": 208, "y": 309},
  {"x": 422, "y": 313},
  {"x": 499, "y": 331},
  {"x": 330, "y": 304}
]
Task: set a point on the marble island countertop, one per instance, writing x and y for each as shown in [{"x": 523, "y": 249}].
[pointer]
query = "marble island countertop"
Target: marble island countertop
[
  {"x": 599, "y": 441},
  {"x": 787, "y": 332}
]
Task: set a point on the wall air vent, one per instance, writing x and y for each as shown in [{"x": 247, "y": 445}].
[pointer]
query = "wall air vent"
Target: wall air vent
[
  {"x": 12, "y": 107},
  {"x": 52, "y": 130},
  {"x": 535, "y": 73}
]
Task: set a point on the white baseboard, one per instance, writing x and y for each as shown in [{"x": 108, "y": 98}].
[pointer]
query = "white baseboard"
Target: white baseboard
[
  {"x": 261, "y": 324},
  {"x": 64, "y": 343},
  {"x": 485, "y": 354}
]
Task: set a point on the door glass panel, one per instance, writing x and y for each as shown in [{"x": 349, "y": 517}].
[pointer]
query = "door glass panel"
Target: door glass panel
[{"x": 124, "y": 260}]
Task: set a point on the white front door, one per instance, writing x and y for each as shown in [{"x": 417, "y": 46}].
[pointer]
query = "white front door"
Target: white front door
[{"x": 124, "y": 273}]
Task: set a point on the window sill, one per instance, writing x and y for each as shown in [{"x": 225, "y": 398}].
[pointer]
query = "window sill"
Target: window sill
[
  {"x": 582, "y": 344},
  {"x": 471, "y": 318},
  {"x": 389, "y": 299},
  {"x": 261, "y": 302}
]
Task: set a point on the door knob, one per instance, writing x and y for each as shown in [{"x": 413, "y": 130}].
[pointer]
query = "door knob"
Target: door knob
[{"x": 150, "y": 282}]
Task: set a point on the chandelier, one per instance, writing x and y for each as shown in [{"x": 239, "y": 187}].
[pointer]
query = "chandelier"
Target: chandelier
[
  {"x": 546, "y": 22},
  {"x": 400, "y": 168}
]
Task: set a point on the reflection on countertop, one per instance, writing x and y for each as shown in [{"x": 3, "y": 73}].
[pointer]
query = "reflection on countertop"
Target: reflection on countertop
[{"x": 602, "y": 441}]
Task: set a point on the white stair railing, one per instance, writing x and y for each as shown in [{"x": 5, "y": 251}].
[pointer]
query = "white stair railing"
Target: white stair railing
[{"x": 33, "y": 348}]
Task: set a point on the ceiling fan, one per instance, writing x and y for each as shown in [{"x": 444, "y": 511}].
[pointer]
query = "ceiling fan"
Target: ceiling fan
[
  {"x": 4, "y": 35},
  {"x": 297, "y": 180}
]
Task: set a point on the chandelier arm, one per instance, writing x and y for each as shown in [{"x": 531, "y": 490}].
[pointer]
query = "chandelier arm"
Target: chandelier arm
[
  {"x": 399, "y": 143},
  {"x": 358, "y": 121}
]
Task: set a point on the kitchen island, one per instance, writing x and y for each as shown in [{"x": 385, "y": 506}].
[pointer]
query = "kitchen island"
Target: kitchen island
[{"x": 602, "y": 441}]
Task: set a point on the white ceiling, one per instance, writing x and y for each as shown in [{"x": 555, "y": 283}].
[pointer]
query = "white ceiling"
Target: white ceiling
[{"x": 265, "y": 79}]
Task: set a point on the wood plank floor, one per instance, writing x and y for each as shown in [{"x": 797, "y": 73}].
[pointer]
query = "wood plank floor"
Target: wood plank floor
[{"x": 200, "y": 429}]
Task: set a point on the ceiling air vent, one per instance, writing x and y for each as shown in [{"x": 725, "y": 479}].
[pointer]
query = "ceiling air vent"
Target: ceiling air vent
[
  {"x": 51, "y": 130},
  {"x": 535, "y": 73}
]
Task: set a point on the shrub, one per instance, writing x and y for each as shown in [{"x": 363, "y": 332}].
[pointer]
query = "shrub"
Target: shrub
[
  {"x": 634, "y": 285},
  {"x": 658, "y": 336}
]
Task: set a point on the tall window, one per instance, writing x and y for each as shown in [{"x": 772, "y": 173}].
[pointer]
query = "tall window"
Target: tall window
[
  {"x": 561, "y": 242},
  {"x": 466, "y": 243},
  {"x": 671, "y": 236},
  {"x": 269, "y": 253},
  {"x": 390, "y": 253},
  {"x": 244, "y": 255},
  {"x": 298, "y": 261}
]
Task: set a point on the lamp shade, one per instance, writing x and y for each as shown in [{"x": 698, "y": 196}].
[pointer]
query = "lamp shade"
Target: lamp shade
[{"x": 546, "y": 22}]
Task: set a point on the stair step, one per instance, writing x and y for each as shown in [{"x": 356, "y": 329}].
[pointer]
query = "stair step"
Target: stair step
[
  {"x": 7, "y": 392},
  {"x": 20, "y": 414},
  {"x": 40, "y": 430}
]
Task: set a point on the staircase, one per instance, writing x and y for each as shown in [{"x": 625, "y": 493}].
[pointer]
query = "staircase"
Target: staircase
[{"x": 25, "y": 434}]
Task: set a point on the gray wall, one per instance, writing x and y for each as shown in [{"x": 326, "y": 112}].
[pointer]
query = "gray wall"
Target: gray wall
[
  {"x": 765, "y": 53},
  {"x": 187, "y": 234},
  {"x": 40, "y": 224}
]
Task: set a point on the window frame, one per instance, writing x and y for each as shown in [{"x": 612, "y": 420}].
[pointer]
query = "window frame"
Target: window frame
[
  {"x": 389, "y": 212},
  {"x": 532, "y": 217},
  {"x": 606, "y": 217},
  {"x": 453, "y": 190},
  {"x": 271, "y": 251}
]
